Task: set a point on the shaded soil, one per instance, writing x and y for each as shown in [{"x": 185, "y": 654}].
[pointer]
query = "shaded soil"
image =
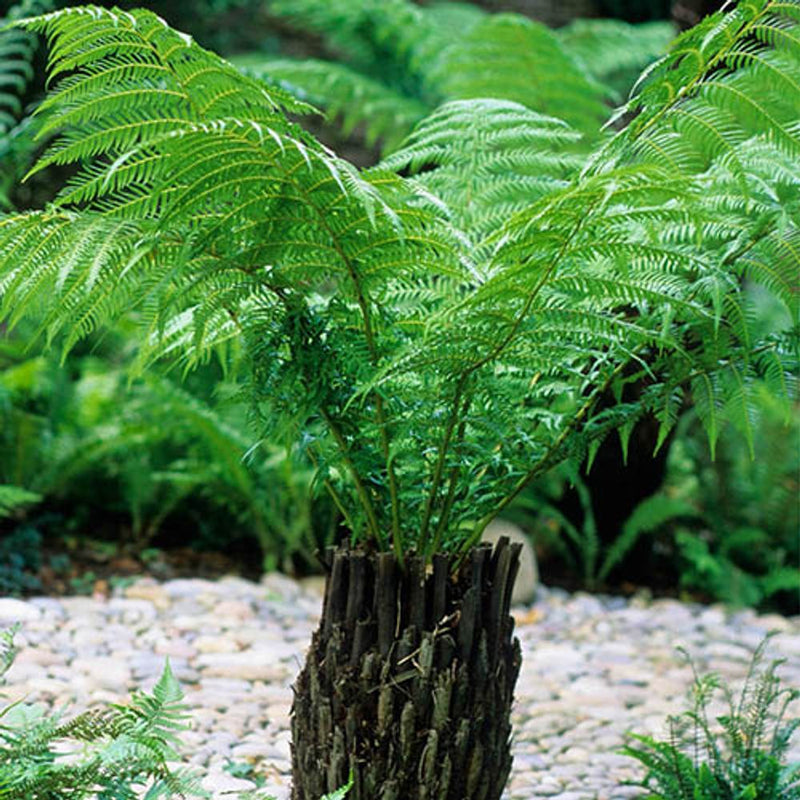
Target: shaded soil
[{"x": 70, "y": 567}]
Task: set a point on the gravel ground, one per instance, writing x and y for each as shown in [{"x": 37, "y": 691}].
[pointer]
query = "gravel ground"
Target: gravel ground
[{"x": 594, "y": 668}]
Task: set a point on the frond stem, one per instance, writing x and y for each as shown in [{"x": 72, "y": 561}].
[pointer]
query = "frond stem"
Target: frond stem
[
  {"x": 453, "y": 483},
  {"x": 481, "y": 362},
  {"x": 361, "y": 490},
  {"x": 546, "y": 461},
  {"x": 380, "y": 414},
  {"x": 334, "y": 495}
]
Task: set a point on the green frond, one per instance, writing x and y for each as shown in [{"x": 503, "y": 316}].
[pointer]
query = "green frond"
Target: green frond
[
  {"x": 735, "y": 75},
  {"x": 614, "y": 52},
  {"x": 528, "y": 66},
  {"x": 351, "y": 99},
  {"x": 487, "y": 159},
  {"x": 8, "y": 650}
]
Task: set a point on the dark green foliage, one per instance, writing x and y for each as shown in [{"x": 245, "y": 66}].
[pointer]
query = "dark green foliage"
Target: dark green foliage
[
  {"x": 747, "y": 551},
  {"x": 580, "y": 545},
  {"x": 429, "y": 371},
  {"x": 99, "y": 449},
  {"x": 20, "y": 559},
  {"x": 738, "y": 756},
  {"x": 636, "y": 10}
]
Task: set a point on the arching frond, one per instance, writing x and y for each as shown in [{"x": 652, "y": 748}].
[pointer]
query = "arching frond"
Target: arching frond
[
  {"x": 733, "y": 76},
  {"x": 348, "y": 96},
  {"x": 614, "y": 52},
  {"x": 487, "y": 159},
  {"x": 510, "y": 57}
]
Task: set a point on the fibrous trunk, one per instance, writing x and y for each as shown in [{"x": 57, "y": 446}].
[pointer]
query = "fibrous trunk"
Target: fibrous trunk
[{"x": 409, "y": 680}]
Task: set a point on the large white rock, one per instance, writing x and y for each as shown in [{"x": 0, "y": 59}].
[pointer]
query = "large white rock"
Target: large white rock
[
  {"x": 528, "y": 575},
  {"x": 12, "y": 610}
]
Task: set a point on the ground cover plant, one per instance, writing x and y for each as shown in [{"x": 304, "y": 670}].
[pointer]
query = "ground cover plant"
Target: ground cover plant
[
  {"x": 434, "y": 333},
  {"x": 117, "y": 752},
  {"x": 739, "y": 754}
]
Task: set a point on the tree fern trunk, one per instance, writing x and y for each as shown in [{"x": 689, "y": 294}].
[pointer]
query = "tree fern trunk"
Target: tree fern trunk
[{"x": 409, "y": 679}]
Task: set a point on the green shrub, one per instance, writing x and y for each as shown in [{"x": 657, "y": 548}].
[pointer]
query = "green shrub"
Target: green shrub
[
  {"x": 739, "y": 758},
  {"x": 161, "y": 453},
  {"x": 20, "y": 559},
  {"x": 745, "y": 550}
]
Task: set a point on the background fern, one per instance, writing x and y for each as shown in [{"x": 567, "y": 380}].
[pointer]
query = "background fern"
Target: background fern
[
  {"x": 168, "y": 462},
  {"x": 17, "y": 51},
  {"x": 398, "y": 61}
]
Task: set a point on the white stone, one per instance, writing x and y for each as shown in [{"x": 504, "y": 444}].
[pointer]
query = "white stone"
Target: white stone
[
  {"x": 152, "y": 592},
  {"x": 243, "y": 666},
  {"x": 223, "y": 782},
  {"x": 280, "y": 586},
  {"x": 216, "y": 644},
  {"x": 104, "y": 672},
  {"x": 12, "y": 610}
]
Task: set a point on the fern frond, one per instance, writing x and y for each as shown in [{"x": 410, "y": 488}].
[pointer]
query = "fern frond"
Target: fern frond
[
  {"x": 732, "y": 76},
  {"x": 348, "y": 97},
  {"x": 487, "y": 159},
  {"x": 614, "y": 52},
  {"x": 17, "y": 49},
  {"x": 524, "y": 57}
]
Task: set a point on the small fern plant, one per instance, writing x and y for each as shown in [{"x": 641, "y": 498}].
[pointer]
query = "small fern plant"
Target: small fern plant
[
  {"x": 438, "y": 331},
  {"x": 743, "y": 760},
  {"x": 121, "y": 752},
  {"x": 111, "y": 751}
]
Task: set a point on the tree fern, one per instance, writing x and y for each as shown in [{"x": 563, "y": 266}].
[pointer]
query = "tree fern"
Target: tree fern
[
  {"x": 528, "y": 66},
  {"x": 431, "y": 355}
]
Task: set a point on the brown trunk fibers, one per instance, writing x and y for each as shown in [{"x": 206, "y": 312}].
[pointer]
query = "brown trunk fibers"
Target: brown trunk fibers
[{"x": 409, "y": 679}]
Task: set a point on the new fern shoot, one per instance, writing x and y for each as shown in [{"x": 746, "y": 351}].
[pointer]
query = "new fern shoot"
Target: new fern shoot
[{"x": 437, "y": 331}]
